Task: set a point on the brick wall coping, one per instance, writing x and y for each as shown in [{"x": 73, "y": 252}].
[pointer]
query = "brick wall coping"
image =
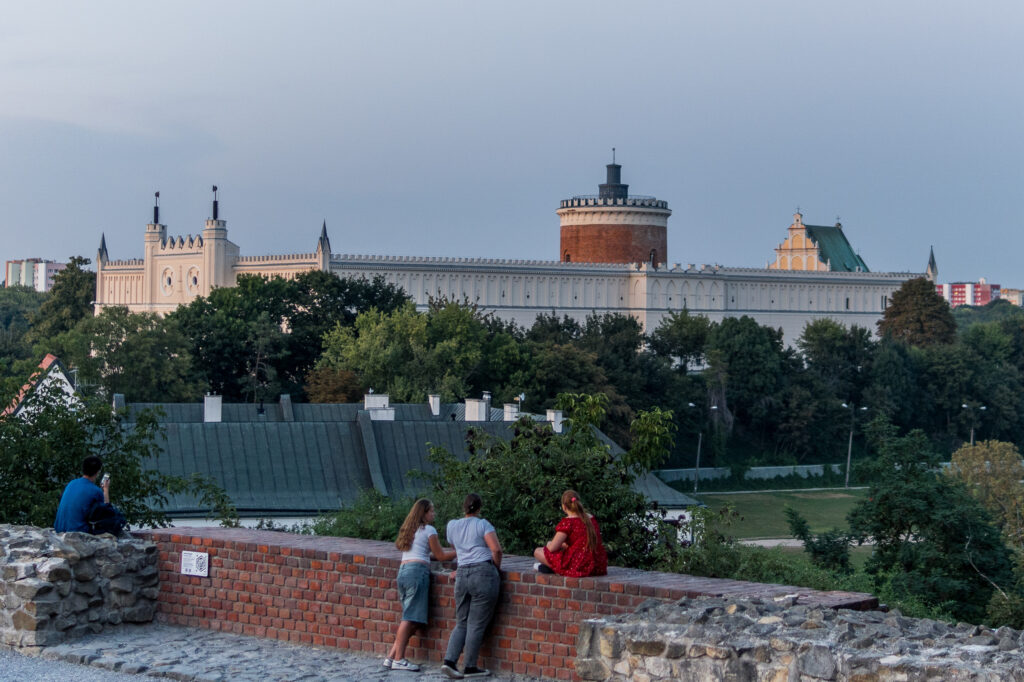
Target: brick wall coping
[{"x": 649, "y": 584}]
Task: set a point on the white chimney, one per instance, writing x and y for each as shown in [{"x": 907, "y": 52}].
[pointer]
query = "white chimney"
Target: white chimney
[
  {"x": 372, "y": 401},
  {"x": 434, "y": 400},
  {"x": 555, "y": 417},
  {"x": 511, "y": 412},
  {"x": 212, "y": 407},
  {"x": 382, "y": 414},
  {"x": 477, "y": 410}
]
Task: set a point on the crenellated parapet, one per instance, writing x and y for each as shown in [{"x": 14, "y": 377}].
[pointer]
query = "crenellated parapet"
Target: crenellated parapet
[{"x": 180, "y": 243}]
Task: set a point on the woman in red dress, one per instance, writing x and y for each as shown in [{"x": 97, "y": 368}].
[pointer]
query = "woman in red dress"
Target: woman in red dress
[{"x": 576, "y": 550}]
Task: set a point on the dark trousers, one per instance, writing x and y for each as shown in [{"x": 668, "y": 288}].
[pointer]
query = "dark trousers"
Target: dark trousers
[{"x": 476, "y": 595}]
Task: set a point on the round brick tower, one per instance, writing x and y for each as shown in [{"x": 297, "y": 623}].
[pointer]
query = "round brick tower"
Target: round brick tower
[{"x": 614, "y": 226}]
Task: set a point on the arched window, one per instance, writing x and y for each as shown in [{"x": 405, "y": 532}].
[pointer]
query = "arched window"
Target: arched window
[
  {"x": 654, "y": 256},
  {"x": 567, "y": 258}
]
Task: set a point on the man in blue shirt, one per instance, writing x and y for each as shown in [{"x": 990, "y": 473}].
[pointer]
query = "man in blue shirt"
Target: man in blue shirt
[{"x": 80, "y": 497}]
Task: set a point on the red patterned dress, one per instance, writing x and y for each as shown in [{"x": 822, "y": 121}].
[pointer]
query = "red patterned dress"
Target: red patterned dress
[{"x": 574, "y": 559}]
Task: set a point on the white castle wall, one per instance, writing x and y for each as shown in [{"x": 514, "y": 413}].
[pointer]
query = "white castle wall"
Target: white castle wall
[{"x": 175, "y": 270}]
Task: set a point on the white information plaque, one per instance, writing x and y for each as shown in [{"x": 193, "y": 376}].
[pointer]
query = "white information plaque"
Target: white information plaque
[{"x": 195, "y": 563}]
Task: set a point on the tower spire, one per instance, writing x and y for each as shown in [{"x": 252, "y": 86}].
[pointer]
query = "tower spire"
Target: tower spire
[{"x": 932, "y": 272}]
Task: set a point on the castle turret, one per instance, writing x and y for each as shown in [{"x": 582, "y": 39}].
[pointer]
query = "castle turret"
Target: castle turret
[
  {"x": 614, "y": 226},
  {"x": 219, "y": 254},
  {"x": 323, "y": 249}
]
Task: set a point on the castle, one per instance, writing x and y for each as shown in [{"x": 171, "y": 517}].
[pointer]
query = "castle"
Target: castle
[{"x": 611, "y": 260}]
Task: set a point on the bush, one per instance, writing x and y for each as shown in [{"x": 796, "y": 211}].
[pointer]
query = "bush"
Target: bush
[
  {"x": 521, "y": 482},
  {"x": 372, "y": 516}
]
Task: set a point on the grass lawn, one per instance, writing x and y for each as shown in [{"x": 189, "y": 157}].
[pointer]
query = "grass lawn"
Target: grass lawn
[{"x": 761, "y": 514}]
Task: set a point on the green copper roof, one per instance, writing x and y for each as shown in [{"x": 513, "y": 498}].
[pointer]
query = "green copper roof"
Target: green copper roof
[
  {"x": 323, "y": 458},
  {"x": 835, "y": 249}
]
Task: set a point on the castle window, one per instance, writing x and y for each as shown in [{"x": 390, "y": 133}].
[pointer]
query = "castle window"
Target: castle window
[
  {"x": 847, "y": 302},
  {"x": 567, "y": 258},
  {"x": 654, "y": 256}
]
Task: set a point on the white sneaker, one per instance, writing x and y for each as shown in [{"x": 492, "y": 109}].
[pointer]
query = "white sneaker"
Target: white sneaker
[
  {"x": 404, "y": 664},
  {"x": 387, "y": 664}
]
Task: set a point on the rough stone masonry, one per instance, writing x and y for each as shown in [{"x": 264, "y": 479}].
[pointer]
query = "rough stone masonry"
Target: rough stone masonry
[
  {"x": 719, "y": 639},
  {"x": 59, "y": 586}
]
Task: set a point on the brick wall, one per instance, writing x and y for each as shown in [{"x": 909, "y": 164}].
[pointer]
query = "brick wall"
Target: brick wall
[
  {"x": 613, "y": 243},
  {"x": 340, "y": 592}
]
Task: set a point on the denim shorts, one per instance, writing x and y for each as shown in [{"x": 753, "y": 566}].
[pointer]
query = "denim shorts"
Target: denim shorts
[{"x": 414, "y": 591}]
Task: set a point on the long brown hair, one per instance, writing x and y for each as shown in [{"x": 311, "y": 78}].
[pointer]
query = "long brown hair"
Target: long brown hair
[
  {"x": 412, "y": 523},
  {"x": 571, "y": 501}
]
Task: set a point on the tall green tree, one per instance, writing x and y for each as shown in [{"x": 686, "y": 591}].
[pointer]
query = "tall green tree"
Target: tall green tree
[
  {"x": 18, "y": 305},
  {"x": 931, "y": 539},
  {"x": 917, "y": 315},
  {"x": 264, "y": 336},
  {"x": 140, "y": 355},
  {"x": 682, "y": 338},
  {"x": 70, "y": 300}
]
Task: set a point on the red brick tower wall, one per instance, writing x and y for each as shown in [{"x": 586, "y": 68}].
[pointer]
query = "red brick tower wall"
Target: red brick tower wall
[{"x": 613, "y": 243}]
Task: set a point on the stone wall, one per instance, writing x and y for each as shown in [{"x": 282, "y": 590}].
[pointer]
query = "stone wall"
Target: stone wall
[
  {"x": 340, "y": 592},
  {"x": 58, "y": 586},
  {"x": 781, "y": 640}
]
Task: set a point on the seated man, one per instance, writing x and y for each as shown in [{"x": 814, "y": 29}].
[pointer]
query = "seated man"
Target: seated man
[{"x": 81, "y": 497}]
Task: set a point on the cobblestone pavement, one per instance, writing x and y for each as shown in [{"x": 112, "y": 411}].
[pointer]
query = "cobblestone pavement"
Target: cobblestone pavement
[{"x": 205, "y": 655}]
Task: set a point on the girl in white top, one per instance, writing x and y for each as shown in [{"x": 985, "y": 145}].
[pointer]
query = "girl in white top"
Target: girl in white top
[{"x": 418, "y": 540}]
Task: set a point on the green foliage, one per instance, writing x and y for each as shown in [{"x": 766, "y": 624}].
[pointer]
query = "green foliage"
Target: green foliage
[
  {"x": 683, "y": 338},
  {"x": 70, "y": 300},
  {"x": 521, "y": 482},
  {"x": 372, "y": 516},
  {"x": 932, "y": 540},
  {"x": 829, "y": 550},
  {"x": 652, "y": 437},
  {"x": 918, "y": 316},
  {"x": 998, "y": 310},
  {"x": 263, "y": 336},
  {"x": 42, "y": 449},
  {"x": 139, "y": 355}
]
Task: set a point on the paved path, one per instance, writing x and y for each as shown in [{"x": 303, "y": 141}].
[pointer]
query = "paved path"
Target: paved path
[{"x": 182, "y": 653}]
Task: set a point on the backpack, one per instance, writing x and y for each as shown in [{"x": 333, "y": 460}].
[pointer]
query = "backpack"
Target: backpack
[{"x": 106, "y": 518}]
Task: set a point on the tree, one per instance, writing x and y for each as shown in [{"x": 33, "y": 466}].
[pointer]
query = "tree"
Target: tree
[
  {"x": 932, "y": 540},
  {"x": 918, "y": 316},
  {"x": 521, "y": 481},
  {"x": 682, "y": 337},
  {"x": 992, "y": 471},
  {"x": 42, "y": 449},
  {"x": 330, "y": 385},
  {"x": 70, "y": 300},
  {"x": 140, "y": 355},
  {"x": 265, "y": 335},
  {"x": 18, "y": 305}
]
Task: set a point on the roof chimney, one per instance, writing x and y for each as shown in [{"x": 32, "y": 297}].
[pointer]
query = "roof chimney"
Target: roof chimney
[
  {"x": 286, "y": 408},
  {"x": 511, "y": 412},
  {"x": 434, "y": 401},
  {"x": 477, "y": 410},
  {"x": 212, "y": 405},
  {"x": 555, "y": 417}
]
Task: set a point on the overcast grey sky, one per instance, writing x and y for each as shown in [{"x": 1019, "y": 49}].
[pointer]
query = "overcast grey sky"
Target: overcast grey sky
[{"x": 454, "y": 128}]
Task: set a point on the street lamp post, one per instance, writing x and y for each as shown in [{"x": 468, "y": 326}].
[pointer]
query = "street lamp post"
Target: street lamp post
[
  {"x": 969, "y": 407},
  {"x": 849, "y": 445},
  {"x": 700, "y": 440}
]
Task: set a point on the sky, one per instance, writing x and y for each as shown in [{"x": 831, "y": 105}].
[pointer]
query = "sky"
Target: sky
[{"x": 455, "y": 128}]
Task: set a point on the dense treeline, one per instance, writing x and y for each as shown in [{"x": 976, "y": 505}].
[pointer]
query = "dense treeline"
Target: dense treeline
[{"x": 733, "y": 385}]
